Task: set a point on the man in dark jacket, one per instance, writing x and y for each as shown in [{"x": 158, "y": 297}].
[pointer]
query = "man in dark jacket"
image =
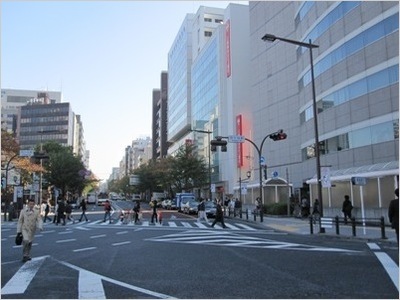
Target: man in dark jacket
[
  {"x": 347, "y": 208},
  {"x": 394, "y": 214},
  {"x": 61, "y": 212},
  {"x": 219, "y": 216}
]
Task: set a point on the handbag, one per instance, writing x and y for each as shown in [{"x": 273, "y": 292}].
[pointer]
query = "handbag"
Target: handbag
[{"x": 18, "y": 239}]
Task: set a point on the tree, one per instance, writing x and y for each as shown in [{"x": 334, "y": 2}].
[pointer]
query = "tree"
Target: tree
[
  {"x": 64, "y": 170},
  {"x": 187, "y": 170}
]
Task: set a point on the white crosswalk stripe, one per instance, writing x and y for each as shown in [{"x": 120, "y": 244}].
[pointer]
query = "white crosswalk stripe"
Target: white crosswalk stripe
[{"x": 172, "y": 223}]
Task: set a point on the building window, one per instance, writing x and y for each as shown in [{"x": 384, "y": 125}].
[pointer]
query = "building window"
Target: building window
[
  {"x": 207, "y": 33},
  {"x": 207, "y": 20},
  {"x": 219, "y": 21}
]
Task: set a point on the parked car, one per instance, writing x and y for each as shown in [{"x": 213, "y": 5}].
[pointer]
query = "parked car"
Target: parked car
[
  {"x": 211, "y": 209},
  {"x": 101, "y": 202},
  {"x": 173, "y": 204},
  {"x": 190, "y": 207},
  {"x": 166, "y": 204}
]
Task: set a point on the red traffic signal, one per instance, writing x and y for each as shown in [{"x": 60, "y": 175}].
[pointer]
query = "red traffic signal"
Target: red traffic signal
[{"x": 277, "y": 136}]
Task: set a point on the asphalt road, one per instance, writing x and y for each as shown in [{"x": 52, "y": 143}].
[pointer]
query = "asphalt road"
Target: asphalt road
[{"x": 184, "y": 259}]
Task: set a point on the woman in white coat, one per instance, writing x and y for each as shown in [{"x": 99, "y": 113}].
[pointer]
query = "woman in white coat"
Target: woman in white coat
[{"x": 29, "y": 220}]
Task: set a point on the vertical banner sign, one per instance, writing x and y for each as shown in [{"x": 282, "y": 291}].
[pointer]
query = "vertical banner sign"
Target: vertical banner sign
[
  {"x": 228, "y": 47},
  {"x": 239, "y": 146},
  {"x": 325, "y": 177}
]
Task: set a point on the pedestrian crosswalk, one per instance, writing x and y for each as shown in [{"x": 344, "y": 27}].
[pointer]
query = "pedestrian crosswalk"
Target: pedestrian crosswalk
[{"x": 189, "y": 224}]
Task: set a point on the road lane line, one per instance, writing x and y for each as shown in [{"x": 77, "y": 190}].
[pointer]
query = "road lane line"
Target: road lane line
[
  {"x": 373, "y": 246},
  {"x": 65, "y": 232},
  {"x": 21, "y": 280},
  {"x": 245, "y": 226},
  {"x": 84, "y": 249},
  {"x": 97, "y": 236},
  {"x": 121, "y": 232},
  {"x": 90, "y": 286},
  {"x": 121, "y": 243},
  {"x": 66, "y": 241}
]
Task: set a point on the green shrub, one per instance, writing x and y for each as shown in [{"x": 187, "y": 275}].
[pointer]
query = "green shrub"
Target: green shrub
[{"x": 276, "y": 209}]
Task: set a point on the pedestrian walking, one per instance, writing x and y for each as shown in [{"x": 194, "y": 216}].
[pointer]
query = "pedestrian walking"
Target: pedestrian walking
[
  {"x": 394, "y": 214},
  {"x": 46, "y": 210},
  {"x": 202, "y": 211},
  {"x": 154, "y": 215},
  {"x": 347, "y": 208},
  {"x": 219, "y": 216},
  {"x": 61, "y": 212},
  {"x": 305, "y": 208},
  {"x": 83, "y": 207},
  {"x": 68, "y": 212},
  {"x": 107, "y": 211},
  {"x": 29, "y": 220},
  {"x": 136, "y": 210}
]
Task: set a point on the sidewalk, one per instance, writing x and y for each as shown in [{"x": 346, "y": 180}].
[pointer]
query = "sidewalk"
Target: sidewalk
[{"x": 302, "y": 226}]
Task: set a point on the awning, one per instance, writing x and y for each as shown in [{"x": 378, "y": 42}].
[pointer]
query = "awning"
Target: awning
[{"x": 369, "y": 171}]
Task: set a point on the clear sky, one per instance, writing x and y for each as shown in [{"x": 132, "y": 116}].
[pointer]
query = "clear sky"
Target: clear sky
[{"x": 105, "y": 57}]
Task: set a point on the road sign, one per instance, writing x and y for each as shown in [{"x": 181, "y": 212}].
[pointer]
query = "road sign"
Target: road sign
[
  {"x": 262, "y": 161},
  {"x": 26, "y": 153},
  {"x": 359, "y": 180},
  {"x": 275, "y": 174},
  {"x": 236, "y": 139}
]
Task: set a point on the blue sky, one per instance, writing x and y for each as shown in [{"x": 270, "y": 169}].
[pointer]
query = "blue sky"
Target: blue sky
[{"x": 105, "y": 56}]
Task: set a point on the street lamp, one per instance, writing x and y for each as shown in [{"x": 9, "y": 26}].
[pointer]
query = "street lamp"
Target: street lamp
[
  {"x": 271, "y": 38},
  {"x": 209, "y": 158}
]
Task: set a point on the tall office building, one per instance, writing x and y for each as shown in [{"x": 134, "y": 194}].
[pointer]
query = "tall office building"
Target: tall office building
[
  {"x": 39, "y": 122},
  {"x": 11, "y": 99},
  {"x": 357, "y": 95},
  {"x": 206, "y": 90}
]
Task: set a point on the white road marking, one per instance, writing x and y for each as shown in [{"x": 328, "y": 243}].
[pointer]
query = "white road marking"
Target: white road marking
[
  {"x": 373, "y": 246},
  {"x": 66, "y": 241},
  {"x": 388, "y": 264},
  {"x": 121, "y": 243},
  {"x": 121, "y": 232},
  {"x": 187, "y": 225},
  {"x": 245, "y": 226},
  {"x": 200, "y": 225},
  {"x": 97, "y": 236},
  {"x": 172, "y": 224},
  {"x": 21, "y": 280},
  {"x": 65, "y": 232},
  {"x": 84, "y": 249},
  {"x": 90, "y": 286},
  {"x": 120, "y": 283}
]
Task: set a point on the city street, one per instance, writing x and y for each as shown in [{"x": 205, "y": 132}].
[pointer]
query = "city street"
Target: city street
[{"x": 181, "y": 258}]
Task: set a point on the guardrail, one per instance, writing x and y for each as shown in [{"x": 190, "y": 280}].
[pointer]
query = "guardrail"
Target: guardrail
[{"x": 336, "y": 222}]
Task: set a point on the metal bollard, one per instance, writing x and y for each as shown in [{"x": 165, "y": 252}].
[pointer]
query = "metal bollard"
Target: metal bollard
[
  {"x": 261, "y": 216},
  {"x": 383, "y": 235},
  {"x": 241, "y": 213},
  {"x": 247, "y": 214},
  {"x": 337, "y": 224},
  {"x": 255, "y": 215},
  {"x": 311, "y": 225},
  {"x": 353, "y": 225}
]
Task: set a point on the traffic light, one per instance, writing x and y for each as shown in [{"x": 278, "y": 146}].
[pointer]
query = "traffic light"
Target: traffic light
[
  {"x": 219, "y": 142},
  {"x": 277, "y": 136},
  {"x": 265, "y": 173}
]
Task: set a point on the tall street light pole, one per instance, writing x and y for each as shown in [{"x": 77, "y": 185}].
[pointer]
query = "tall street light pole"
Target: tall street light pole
[
  {"x": 271, "y": 38},
  {"x": 209, "y": 158}
]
